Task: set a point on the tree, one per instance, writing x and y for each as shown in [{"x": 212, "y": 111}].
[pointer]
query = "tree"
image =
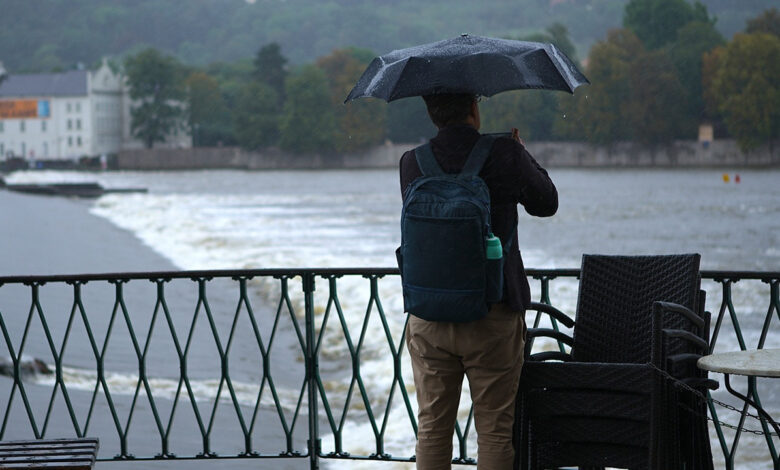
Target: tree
[
  {"x": 308, "y": 123},
  {"x": 257, "y": 116},
  {"x": 686, "y": 53},
  {"x": 603, "y": 108},
  {"x": 47, "y": 57},
  {"x": 532, "y": 112},
  {"x": 156, "y": 87},
  {"x": 710, "y": 64},
  {"x": 747, "y": 90},
  {"x": 361, "y": 123},
  {"x": 766, "y": 22},
  {"x": 271, "y": 68},
  {"x": 635, "y": 94},
  {"x": 657, "y": 104},
  {"x": 656, "y": 22},
  {"x": 209, "y": 117},
  {"x": 557, "y": 34},
  {"x": 233, "y": 78},
  {"x": 408, "y": 121}
]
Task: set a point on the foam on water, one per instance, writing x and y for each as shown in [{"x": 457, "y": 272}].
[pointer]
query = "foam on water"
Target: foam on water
[
  {"x": 211, "y": 231},
  {"x": 167, "y": 388}
]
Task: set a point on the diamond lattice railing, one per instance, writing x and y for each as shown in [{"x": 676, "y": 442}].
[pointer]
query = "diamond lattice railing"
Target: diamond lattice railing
[
  {"x": 759, "y": 325},
  {"x": 287, "y": 364}
]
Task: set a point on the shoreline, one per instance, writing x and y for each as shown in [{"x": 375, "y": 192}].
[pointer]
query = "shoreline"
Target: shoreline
[{"x": 44, "y": 235}]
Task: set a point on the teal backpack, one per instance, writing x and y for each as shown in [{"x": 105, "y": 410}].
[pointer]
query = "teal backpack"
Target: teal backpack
[{"x": 451, "y": 267}]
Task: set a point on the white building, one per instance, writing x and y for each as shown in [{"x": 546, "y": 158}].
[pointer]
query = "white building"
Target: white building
[{"x": 68, "y": 115}]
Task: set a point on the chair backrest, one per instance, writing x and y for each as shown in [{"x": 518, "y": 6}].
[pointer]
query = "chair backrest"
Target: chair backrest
[{"x": 615, "y": 304}]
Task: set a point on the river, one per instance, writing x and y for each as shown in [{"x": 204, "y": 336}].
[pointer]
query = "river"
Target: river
[{"x": 236, "y": 219}]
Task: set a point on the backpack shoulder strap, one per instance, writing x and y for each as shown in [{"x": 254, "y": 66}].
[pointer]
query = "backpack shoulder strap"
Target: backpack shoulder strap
[
  {"x": 478, "y": 156},
  {"x": 426, "y": 161}
]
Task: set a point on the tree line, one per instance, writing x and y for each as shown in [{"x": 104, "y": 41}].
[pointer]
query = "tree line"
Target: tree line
[
  {"x": 668, "y": 70},
  {"x": 261, "y": 103},
  {"x": 204, "y": 31},
  {"x": 653, "y": 81}
]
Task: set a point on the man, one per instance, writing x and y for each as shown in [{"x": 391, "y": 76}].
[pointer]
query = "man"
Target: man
[{"x": 488, "y": 351}]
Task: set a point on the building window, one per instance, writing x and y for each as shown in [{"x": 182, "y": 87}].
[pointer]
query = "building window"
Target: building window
[
  {"x": 21, "y": 126},
  {"x": 24, "y": 149},
  {"x": 45, "y": 149},
  {"x": 70, "y": 141},
  {"x": 70, "y": 124},
  {"x": 43, "y": 126},
  {"x": 2, "y": 149},
  {"x": 78, "y": 141},
  {"x": 68, "y": 107},
  {"x": 1, "y": 126},
  {"x": 78, "y": 124},
  {"x": 78, "y": 107}
]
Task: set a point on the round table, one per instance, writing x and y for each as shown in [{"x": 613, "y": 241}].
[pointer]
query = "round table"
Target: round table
[{"x": 751, "y": 363}]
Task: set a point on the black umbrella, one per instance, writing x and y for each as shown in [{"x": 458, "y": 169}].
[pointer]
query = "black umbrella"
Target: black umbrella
[{"x": 468, "y": 64}]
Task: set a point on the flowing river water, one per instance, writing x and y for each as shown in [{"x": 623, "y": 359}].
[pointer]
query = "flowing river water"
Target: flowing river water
[{"x": 287, "y": 219}]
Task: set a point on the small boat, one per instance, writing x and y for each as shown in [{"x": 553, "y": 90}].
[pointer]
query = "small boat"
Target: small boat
[{"x": 81, "y": 190}]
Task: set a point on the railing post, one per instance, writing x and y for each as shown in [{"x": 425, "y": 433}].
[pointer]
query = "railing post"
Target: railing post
[{"x": 311, "y": 370}]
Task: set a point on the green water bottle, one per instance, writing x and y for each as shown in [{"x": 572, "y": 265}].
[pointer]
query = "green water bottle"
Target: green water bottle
[
  {"x": 494, "y": 285},
  {"x": 493, "y": 247}
]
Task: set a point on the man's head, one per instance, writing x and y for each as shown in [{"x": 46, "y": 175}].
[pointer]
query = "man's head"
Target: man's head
[{"x": 450, "y": 109}]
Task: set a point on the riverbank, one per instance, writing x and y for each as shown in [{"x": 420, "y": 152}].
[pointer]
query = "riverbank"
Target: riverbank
[
  {"x": 45, "y": 235},
  {"x": 680, "y": 154}
]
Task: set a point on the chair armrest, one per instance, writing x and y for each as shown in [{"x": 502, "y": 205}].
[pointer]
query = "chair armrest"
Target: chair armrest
[
  {"x": 697, "y": 382},
  {"x": 684, "y": 359},
  {"x": 552, "y": 312},
  {"x": 675, "y": 322},
  {"x": 685, "y": 336},
  {"x": 559, "y": 336},
  {"x": 534, "y": 333},
  {"x": 687, "y": 313}
]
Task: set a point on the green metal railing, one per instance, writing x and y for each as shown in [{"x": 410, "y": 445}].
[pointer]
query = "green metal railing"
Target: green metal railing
[{"x": 228, "y": 364}]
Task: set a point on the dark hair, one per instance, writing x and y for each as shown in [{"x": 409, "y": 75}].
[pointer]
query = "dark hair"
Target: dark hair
[{"x": 449, "y": 108}]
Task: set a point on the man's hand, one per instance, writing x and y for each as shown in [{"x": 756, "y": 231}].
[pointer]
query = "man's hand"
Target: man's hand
[{"x": 516, "y": 135}]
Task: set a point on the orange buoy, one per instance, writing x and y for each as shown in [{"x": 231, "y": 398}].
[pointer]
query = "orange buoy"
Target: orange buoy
[
  {"x": 726, "y": 177},
  {"x": 736, "y": 178}
]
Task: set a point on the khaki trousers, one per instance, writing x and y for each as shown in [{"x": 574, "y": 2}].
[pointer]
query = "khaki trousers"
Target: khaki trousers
[{"x": 490, "y": 353}]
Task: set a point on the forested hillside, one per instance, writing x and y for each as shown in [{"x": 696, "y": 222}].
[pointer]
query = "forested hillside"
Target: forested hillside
[{"x": 56, "y": 34}]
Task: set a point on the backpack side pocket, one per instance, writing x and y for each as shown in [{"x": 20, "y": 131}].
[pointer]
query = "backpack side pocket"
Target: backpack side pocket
[{"x": 494, "y": 288}]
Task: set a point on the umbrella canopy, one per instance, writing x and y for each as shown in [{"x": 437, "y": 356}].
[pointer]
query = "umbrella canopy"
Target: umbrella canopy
[{"x": 468, "y": 64}]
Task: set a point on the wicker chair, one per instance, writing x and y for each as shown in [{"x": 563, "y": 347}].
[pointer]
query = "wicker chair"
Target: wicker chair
[{"x": 609, "y": 402}]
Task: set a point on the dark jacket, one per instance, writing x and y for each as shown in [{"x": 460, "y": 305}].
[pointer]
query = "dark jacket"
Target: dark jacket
[{"x": 512, "y": 176}]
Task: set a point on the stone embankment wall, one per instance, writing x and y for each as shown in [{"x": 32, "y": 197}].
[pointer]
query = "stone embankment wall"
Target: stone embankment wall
[
  {"x": 382, "y": 156},
  {"x": 721, "y": 153}
]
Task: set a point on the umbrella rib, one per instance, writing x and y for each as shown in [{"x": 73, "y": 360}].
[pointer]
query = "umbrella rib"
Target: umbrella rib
[
  {"x": 562, "y": 67},
  {"x": 391, "y": 95}
]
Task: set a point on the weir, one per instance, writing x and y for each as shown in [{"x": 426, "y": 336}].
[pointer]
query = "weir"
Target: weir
[{"x": 303, "y": 365}]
